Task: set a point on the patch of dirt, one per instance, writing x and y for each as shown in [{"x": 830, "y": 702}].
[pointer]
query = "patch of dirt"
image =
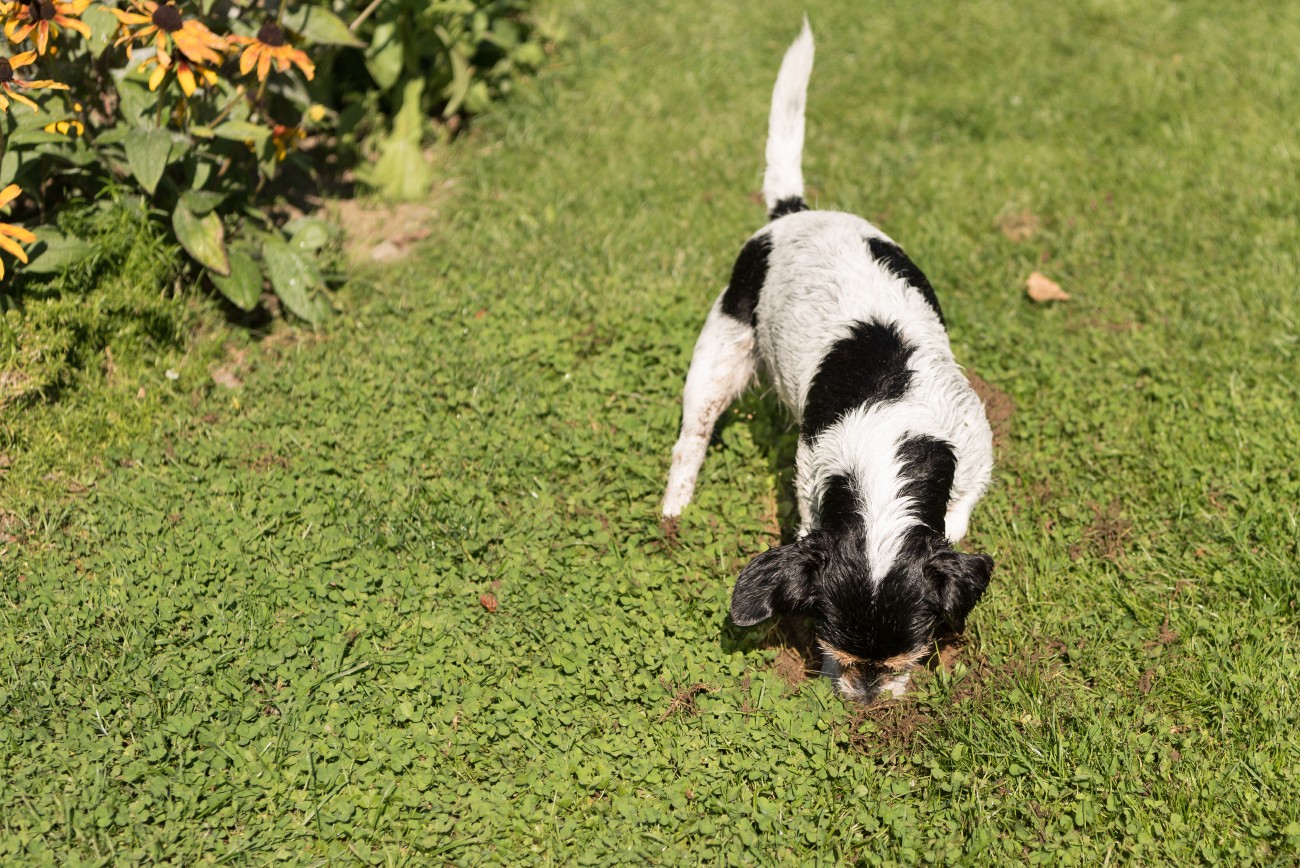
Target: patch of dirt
[
  {"x": 1106, "y": 536},
  {"x": 13, "y": 385},
  {"x": 1019, "y": 227},
  {"x": 265, "y": 459},
  {"x": 383, "y": 231},
  {"x": 790, "y": 668},
  {"x": 896, "y": 725},
  {"x": 684, "y": 700},
  {"x": 235, "y": 364},
  {"x": 998, "y": 406},
  {"x": 798, "y": 656},
  {"x": 670, "y": 527},
  {"x": 10, "y": 526}
]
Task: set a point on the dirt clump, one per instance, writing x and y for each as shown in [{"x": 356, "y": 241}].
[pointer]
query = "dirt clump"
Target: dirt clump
[
  {"x": 1020, "y": 226},
  {"x": 1107, "y": 535},
  {"x": 998, "y": 406},
  {"x": 684, "y": 700}
]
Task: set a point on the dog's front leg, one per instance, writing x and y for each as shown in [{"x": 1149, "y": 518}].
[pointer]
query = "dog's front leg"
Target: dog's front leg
[{"x": 721, "y": 367}]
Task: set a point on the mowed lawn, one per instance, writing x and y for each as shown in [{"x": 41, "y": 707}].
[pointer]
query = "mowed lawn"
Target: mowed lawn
[{"x": 403, "y": 598}]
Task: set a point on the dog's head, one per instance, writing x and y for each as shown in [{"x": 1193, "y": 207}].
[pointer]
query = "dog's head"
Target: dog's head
[{"x": 872, "y": 632}]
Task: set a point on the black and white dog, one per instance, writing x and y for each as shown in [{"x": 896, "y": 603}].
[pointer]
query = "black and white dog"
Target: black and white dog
[{"x": 894, "y": 445}]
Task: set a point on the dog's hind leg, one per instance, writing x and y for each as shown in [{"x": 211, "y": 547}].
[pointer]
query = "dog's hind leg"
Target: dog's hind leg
[{"x": 721, "y": 368}]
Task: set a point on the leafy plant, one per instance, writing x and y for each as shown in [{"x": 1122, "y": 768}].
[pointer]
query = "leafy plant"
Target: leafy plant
[{"x": 202, "y": 111}]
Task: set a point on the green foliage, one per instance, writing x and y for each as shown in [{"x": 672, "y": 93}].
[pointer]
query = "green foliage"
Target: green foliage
[{"x": 256, "y": 633}]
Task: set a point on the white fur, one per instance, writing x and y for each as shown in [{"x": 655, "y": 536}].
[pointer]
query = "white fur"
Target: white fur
[
  {"x": 784, "y": 176},
  {"x": 721, "y": 368}
]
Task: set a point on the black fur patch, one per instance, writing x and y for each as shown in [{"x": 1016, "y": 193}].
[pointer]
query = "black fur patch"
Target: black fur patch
[
  {"x": 929, "y": 465},
  {"x": 740, "y": 301},
  {"x": 838, "y": 509},
  {"x": 892, "y": 258},
  {"x": 791, "y": 205},
  {"x": 873, "y": 621},
  {"x": 867, "y": 367}
]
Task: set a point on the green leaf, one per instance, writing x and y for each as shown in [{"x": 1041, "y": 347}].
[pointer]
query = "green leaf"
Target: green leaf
[
  {"x": 295, "y": 280},
  {"x": 243, "y": 286},
  {"x": 458, "y": 87},
  {"x": 146, "y": 155},
  {"x": 242, "y": 131},
  {"x": 401, "y": 171},
  {"x": 54, "y": 252},
  {"x": 9, "y": 166},
  {"x": 321, "y": 27},
  {"x": 203, "y": 238},
  {"x": 384, "y": 57},
  {"x": 201, "y": 201},
  {"x": 136, "y": 102},
  {"x": 309, "y": 234},
  {"x": 103, "y": 25},
  {"x": 35, "y": 137}
]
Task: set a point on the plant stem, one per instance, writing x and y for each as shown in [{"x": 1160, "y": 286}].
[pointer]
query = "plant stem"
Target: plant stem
[{"x": 365, "y": 13}]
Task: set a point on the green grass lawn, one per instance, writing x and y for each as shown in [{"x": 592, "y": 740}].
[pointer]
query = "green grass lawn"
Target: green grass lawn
[{"x": 403, "y": 598}]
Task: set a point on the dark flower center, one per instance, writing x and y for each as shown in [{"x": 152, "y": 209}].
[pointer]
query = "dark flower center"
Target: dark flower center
[
  {"x": 6, "y": 71},
  {"x": 40, "y": 10},
  {"x": 271, "y": 35},
  {"x": 168, "y": 18}
]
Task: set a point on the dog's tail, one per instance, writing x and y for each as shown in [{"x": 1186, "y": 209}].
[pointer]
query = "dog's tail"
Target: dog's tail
[{"x": 783, "y": 180}]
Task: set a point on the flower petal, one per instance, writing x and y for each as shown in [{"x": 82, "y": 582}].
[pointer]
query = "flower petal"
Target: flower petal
[
  {"x": 10, "y": 193},
  {"x": 18, "y": 61},
  {"x": 186, "y": 77},
  {"x": 18, "y": 97},
  {"x": 248, "y": 59},
  {"x": 156, "y": 78},
  {"x": 18, "y": 232},
  {"x": 11, "y": 247},
  {"x": 73, "y": 24}
]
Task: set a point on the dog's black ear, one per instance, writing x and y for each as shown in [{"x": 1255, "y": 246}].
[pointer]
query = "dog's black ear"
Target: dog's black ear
[
  {"x": 958, "y": 580},
  {"x": 779, "y": 581}
]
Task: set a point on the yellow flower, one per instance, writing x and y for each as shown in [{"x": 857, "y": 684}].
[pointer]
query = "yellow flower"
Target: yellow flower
[
  {"x": 8, "y": 82},
  {"x": 271, "y": 44},
  {"x": 44, "y": 17},
  {"x": 186, "y": 70},
  {"x": 72, "y": 125},
  {"x": 286, "y": 139},
  {"x": 9, "y": 232},
  {"x": 167, "y": 27}
]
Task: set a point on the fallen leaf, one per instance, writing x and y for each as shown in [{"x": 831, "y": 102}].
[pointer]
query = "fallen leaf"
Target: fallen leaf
[
  {"x": 489, "y": 602},
  {"x": 1042, "y": 288}
]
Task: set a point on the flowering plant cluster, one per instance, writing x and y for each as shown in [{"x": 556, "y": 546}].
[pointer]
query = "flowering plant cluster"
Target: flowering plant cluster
[{"x": 202, "y": 110}]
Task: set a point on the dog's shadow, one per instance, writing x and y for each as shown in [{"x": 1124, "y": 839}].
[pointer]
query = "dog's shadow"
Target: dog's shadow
[{"x": 771, "y": 426}]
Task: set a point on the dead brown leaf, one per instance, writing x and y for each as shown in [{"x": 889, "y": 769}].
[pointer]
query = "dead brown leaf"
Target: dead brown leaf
[
  {"x": 489, "y": 602},
  {"x": 1042, "y": 288}
]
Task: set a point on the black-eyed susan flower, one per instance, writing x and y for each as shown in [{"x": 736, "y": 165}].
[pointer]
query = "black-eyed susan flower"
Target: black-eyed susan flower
[
  {"x": 44, "y": 17},
  {"x": 8, "y": 81},
  {"x": 188, "y": 73},
  {"x": 271, "y": 45},
  {"x": 164, "y": 24},
  {"x": 10, "y": 235}
]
